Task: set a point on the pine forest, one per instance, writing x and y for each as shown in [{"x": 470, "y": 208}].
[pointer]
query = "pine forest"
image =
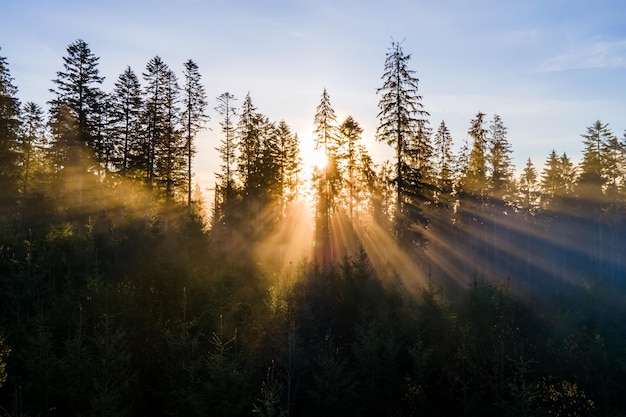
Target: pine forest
[{"x": 443, "y": 281}]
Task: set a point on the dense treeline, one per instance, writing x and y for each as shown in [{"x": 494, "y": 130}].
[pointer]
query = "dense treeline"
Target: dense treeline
[{"x": 437, "y": 283}]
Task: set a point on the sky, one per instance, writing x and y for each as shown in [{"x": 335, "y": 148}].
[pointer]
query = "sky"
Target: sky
[{"x": 549, "y": 68}]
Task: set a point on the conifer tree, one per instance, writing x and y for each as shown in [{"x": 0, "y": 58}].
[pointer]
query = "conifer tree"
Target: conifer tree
[
  {"x": 325, "y": 126},
  {"x": 77, "y": 96},
  {"x": 157, "y": 78},
  {"x": 225, "y": 187},
  {"x": 551, "y": 178},
  {"x": 593, "y": 175},
  {"x": 127, "y": 105},
  {"x": 327, "y": 182},
  {"x": 350, "y": 134},
  {"x": 499, "y": 159},
  {"x": 9, "y": 136},
  {"x": 557, "y": 180},
  {"x": 528, "y": 186},
  {"x": 249, "y": 131},
  {"x": 444, "y": 160},
  {"x": 614, "y": 167},
  {"x": 288, "y": 159},
  {"x": 170, "y": 152},
  {"x": 105, "y": 140},
  {"x": 33, "y": 141},
  {"x": 474, "y": 180},
  {"x": 194, "y": 114},
  {"x": 401, "y": 116}
]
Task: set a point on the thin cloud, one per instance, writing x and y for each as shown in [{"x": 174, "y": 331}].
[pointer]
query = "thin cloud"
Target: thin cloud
[{"x": 594, "y": 55}]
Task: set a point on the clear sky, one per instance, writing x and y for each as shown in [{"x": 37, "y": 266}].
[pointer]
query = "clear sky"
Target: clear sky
[{"x": 549, "y": 68}]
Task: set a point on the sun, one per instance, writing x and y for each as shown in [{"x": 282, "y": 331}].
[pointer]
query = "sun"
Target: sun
[
  {"x": 317, "y": 159},
  {"x": 312, "y": 158}
]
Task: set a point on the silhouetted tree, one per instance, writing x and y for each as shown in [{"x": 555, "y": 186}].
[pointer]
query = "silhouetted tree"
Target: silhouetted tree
[
  {"x": 9, "y": 137},
  {"x": 127, "y": 106},
  {"x": 499, "y": 160},
  {"x": 77, "y": 100},
  {"x": 155, "y": 117},
  {"x": 194, "y": 114},
  {"x": 474, "y": 180},
  {"x": 170, "y": 152},
  {"x": 528, "y": 186},
  {"x": 401, "y": 117},
  {"x": 443, "y": 166},
  {"x": 225, "y": 190},
  {"x": 33, "y": 142},
  {"x": 593, "y": 169},
  {"x": 325, "y": 126},
  {"x": 350, "y": 134}
]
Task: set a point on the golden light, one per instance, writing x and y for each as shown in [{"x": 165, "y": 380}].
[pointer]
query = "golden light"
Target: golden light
[{"x": 315, "y": 159}]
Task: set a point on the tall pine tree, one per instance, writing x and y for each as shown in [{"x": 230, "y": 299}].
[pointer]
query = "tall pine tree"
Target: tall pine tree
[
  {"x": 127, "y": 105},
  {"x": 77, "y": 96},
  {"x": 194, "y": 114},
  {"x": 9, "y": 137},
  {"x": 401, "y": 116}
]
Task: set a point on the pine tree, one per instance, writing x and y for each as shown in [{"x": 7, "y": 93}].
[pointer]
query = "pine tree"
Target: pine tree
[
  {"x": 474, "y": 182},
  {"x": 104, "y": 137},
  {"x": 444, "y": 161},
  {"x": 551, "y": 178},
  {"x": 614, "y": 167},
  {"x": 194, "y": 114},
  {"x": 288, "y": 159},
  {"x": 557, "y": 180},
  {"x": 593, "y": 175},
  {"x": 78, "y": 92},
  {"x": 225, "y": 189},
  {"x": 528, "y": 186},
  {"x": 325, "y": 126},
  {"x": 170, "y": 152},
  {"x": 327, "y": 181},
  {"x": 401, "y": 116},
  {"x": 127, "y": 105},
  {"x": 157, "y": 78},
  {"x": 33, "y": 141},
  {"x": 350, "y": 134},
  {"x": 249, "y": 131},
  {"x": 9, "y": 137},
  {"x": 499, "y": 159}
]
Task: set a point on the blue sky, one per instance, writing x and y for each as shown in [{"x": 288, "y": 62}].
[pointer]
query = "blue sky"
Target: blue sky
[{"x": 549, "y": 68}]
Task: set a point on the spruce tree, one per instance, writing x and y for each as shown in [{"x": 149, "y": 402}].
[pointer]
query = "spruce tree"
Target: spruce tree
[
  {"x": 499, "y": 159},
  {"x": 9, "y": 137},
  {"x": 194, "y": 114},
  {"x": 528, "y": 186},
  {"x": 401, "y": 116},
  {"x": 249, "y": 131},
  {"x": 474, "y": 181},
  {"x": 127, "y": 105},
  {"x": 350, "y": 134},
  {"x": 157, "y": 78},
  {"x": 614, "y": 167},
  {"x": 170, "y": 152},
  {"x": 325, "y": 125},
  {"x": 444, "y": 161},
  {"x": 289, "y": 161},
  {"x": 225, "y": 189},
  {"x": 593, "y": 175},
  {"x": 33, "y": 142},
  {"x": 551, "y": 179},
  {"x": 78, "y": 93}
]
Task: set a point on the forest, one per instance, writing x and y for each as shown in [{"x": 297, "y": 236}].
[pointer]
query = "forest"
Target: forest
[{"x": 440, "y": 282}]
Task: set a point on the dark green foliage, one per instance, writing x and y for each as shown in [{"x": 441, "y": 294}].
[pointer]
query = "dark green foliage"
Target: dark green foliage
[
  {"x": 9, "y": 140},
  {"x": 402, "y": 125}
]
